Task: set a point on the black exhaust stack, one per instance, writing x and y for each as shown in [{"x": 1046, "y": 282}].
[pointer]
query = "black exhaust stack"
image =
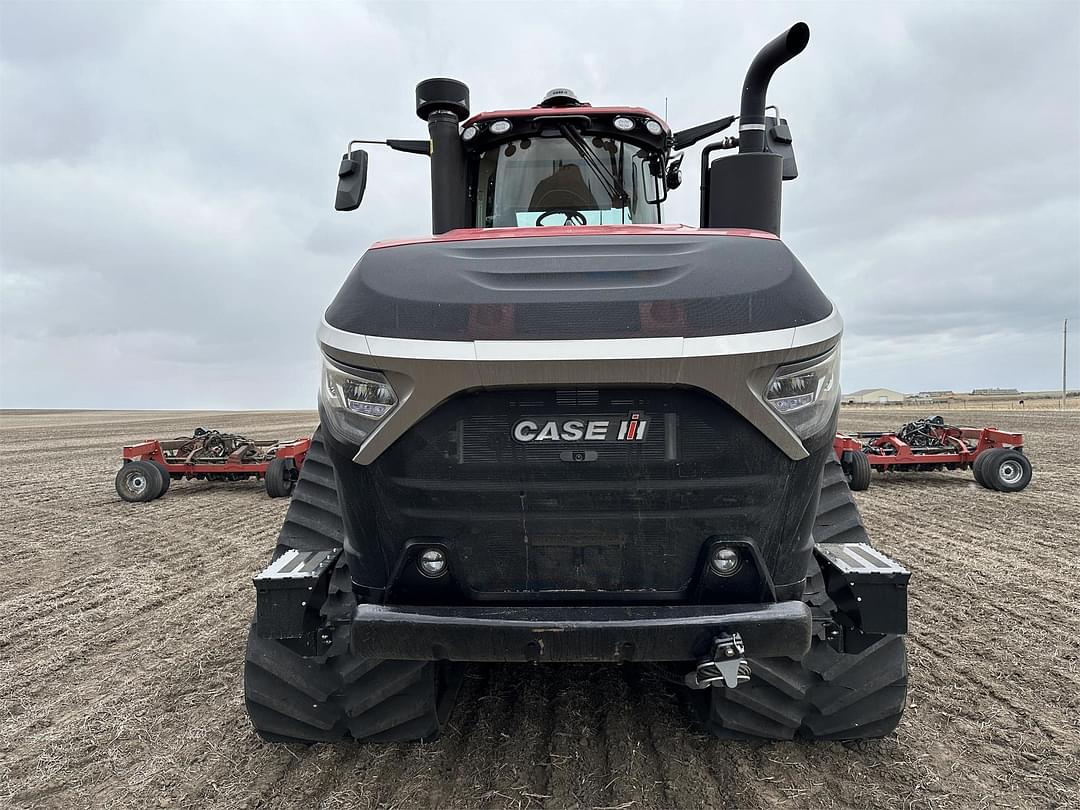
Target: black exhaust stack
[
  {"x": 443, "y": 103},
  {"x": 744, "y": 189}
]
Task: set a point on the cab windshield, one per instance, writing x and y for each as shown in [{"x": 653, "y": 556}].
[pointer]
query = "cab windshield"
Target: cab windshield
[{"x": 574, "y": 180}]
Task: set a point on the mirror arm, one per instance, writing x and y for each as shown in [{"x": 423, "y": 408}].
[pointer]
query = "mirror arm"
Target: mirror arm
[
  {"x": 688, "y": 137},
  {"x": 415, "y": 147}
]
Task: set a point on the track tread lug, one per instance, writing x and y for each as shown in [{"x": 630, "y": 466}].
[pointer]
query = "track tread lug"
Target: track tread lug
[
  {"x": 740, "y": 723},
  {"x": 273, "y": 726},
  {"x": 768, "y": 702},
  {"x": 785, "y": 675},
  {"x": 270, "y": 691},
  {"x": 387, "y": 680},
  {"x": 390, "y": 719},
  {"x": 304, "y": 674}
]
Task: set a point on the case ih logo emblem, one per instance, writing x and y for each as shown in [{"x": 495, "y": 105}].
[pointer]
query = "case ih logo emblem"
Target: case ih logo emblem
[{"x": 581, "y": 430}]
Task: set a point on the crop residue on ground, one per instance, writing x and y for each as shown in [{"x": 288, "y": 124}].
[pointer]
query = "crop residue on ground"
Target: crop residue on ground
[{"x": 122, "y": 630}]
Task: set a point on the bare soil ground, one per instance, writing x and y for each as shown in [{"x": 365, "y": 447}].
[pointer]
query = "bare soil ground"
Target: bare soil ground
[{"x": 122, "y": 630}]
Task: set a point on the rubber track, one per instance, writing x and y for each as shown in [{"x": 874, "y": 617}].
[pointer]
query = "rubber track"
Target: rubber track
[
  {"x": 838, "y": 519},
  {"x": 827, "y": 695},
  {"x": 291, "y": 698}
]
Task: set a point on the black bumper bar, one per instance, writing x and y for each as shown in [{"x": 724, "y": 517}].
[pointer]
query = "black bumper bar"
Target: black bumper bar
[{"x": 638, "y": 633}]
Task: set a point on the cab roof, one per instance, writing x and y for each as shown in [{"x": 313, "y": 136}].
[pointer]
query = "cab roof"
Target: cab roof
[{"x": 583, "y": 109}]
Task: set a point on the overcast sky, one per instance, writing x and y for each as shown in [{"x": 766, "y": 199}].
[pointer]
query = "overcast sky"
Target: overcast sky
[{"x": 167, "y": 238}]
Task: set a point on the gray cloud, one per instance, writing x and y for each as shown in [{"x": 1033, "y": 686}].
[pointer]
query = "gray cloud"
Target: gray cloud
[{"x": 166, "y": 174}]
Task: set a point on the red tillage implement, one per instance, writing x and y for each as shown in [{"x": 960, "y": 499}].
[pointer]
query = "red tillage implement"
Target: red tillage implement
[
  {"x": 996, "y": 457},
  {"x": 209, "y": 455}
]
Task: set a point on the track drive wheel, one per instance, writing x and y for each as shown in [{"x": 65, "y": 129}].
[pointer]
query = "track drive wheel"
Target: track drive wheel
[
  {"x": 828, "y": 694},
  {"x": 1006, "y": 470},
  {"x": 293, "y": 698},
  {"x": 279, "y": 478},
  {"x": 139, "y": 481}
]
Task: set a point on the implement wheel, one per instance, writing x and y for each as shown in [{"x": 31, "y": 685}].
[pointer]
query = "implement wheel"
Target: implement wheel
[
  {"x": 977, "y": 468},
  {"x": 279, "y": 478},
  {"x": 139, "y": 481},
  {"x": 166, "y": 479},
  {"x": 857, "y": 471},
  {"x": 1006, "y": 470}
]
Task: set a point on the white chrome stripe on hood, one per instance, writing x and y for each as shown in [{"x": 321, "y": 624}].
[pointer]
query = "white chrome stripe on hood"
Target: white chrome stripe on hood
[{"x": 609, "y": 349}]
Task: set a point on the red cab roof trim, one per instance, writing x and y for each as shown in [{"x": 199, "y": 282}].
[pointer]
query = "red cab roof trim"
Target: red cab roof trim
[
  {"x": 533, "y": 112},
  {"x": 474, "y": 234}
]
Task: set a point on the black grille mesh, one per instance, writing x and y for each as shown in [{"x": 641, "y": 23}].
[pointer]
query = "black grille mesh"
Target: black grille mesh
[{"x": 526, "y": 517}]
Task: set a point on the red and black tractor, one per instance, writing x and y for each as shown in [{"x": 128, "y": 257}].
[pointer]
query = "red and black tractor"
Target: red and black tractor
[{"x": 559, "y": 429}]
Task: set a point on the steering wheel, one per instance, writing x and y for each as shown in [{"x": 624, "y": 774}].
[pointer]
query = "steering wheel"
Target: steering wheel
[{"x": 573, "y": 216}]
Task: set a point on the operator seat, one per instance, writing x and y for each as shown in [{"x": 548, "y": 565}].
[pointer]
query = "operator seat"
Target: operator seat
[{"x": 565, "y": 188}]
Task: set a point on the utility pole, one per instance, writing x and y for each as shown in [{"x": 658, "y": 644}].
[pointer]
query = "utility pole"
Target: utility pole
[{"x": 1064, "y": 361}]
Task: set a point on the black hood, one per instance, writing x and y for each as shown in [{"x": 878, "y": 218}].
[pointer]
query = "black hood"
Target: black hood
[{"x": 578, "y": 287}]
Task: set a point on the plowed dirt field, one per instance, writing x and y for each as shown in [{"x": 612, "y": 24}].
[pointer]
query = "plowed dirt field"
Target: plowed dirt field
[{"x": 122, "y": 630}]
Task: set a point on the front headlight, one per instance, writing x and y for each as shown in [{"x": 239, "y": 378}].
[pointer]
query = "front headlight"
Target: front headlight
[
  {"x": 805, "y": 393},
  {"x": 354, "y": 401}
]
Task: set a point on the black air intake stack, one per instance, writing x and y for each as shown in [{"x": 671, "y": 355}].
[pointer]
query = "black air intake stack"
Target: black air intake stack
[
  {"x": 744, "y": 189},
  {"x": 443, "y": 103}
]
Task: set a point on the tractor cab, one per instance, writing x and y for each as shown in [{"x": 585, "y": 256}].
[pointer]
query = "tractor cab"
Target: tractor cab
[{"x": 565, "y": 162}]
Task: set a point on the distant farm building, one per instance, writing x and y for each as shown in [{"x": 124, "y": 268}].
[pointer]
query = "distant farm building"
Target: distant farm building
[
  {"x": 935, "y": 394},
  {"x": 994, "y": 392},
  {"x": 881, "y": 396}
]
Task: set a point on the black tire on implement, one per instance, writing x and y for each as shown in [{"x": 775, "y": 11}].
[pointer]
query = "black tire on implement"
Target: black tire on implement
[
  {"x": 858, "y": 472},
  {"x": 139, "y": 482},
  {"x": 291, "y": 698},
  {"x": 827, "y": 695},
  {"x": 1006, "y": 470},
  {"x": 279, "y": 481},
  {"x": 166, "y": 479},
  {"x": 977, "y": 467}
]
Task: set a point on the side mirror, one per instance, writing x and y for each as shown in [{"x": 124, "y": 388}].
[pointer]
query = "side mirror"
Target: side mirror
[
  {"x": 352, "y": 180},
  {"x": 778, "y": 141},
  {"x": 674, "y": 172}
]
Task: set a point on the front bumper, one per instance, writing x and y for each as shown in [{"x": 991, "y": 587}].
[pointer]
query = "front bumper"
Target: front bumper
[{"x": 564, "y": 634}]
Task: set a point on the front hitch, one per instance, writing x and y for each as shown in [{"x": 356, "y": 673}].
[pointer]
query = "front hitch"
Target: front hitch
[{"x": 725, "y": 666}]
